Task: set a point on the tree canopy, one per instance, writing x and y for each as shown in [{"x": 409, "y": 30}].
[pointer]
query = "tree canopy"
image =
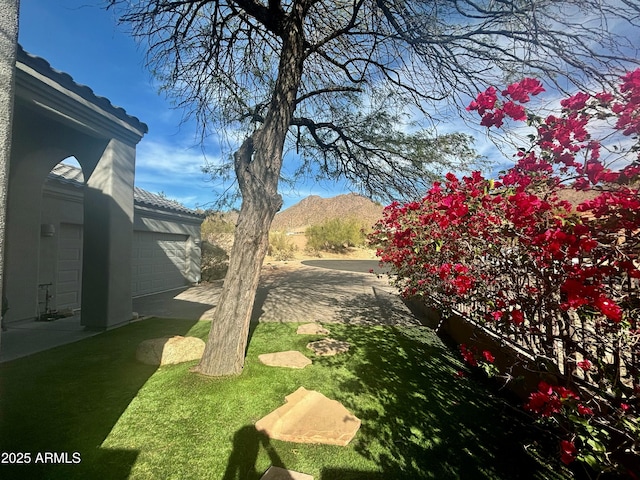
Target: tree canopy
[
  {"x": 367, "y": 63},
  {"x": 342, "y": 81}
]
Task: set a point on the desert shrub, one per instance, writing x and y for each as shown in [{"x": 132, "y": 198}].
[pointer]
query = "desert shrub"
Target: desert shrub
[
  {"x": 218, "y": 229},
  {"x": 216, "y": 224},
  {"x": 214, "y": 262},
  {"x": 281, "y": 247},
  {"x": 336, "y": 234}
]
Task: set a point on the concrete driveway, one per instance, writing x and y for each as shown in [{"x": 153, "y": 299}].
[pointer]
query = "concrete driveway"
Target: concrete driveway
[
  {"x": 356, "y": 266},
  {"x": 329, "y": 291},
  {"x": 309, "y": 291}
]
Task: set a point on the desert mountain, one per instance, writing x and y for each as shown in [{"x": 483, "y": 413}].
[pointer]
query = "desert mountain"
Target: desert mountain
[{"x": 314, "y": 210}]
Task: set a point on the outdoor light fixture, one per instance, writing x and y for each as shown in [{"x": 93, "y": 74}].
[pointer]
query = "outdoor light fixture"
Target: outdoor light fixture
[{"x": 47, "y": 230}]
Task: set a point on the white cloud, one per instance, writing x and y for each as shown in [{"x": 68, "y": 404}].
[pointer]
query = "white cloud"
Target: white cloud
[
  {"x": 167, "y": 158},
  {"x": 175, "y": 168}
]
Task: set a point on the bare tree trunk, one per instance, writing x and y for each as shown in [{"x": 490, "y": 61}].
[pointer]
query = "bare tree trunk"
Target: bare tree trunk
[
  {"x": 225, "y": 350},
  {"x": 257, "y": 165}
]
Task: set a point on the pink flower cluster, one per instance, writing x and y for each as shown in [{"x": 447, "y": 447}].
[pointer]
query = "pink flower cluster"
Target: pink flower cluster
[
  {"x": 471, "y": 356},
  {"x": 435, "y": 244},
  {"x": 518, "y": 247},
  {"x": 549, "y": 399},
  {"x": 493, "y": 111}
]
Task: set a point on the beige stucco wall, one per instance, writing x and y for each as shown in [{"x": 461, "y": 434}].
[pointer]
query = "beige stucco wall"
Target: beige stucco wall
[{"x": 8, "y": 39}]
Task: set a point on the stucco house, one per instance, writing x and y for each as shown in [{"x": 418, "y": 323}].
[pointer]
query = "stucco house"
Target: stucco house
[
  {"x": 85, "y": 235},
  {"x": 165, "y": 252}
]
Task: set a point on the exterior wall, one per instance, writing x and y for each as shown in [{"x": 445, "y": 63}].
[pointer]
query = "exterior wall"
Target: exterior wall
[
  {"x": 55, "y": 118},
  {"x": 150, "y": 220},
  {"x": 23, "y": 233},
  {"x": 59, "y": 207},
  {"x": 108, "y": 220},
  {"x": 32, "y": 158},
  {"x": 63, "y": 204},
  {"x": 8, "y": 40}
]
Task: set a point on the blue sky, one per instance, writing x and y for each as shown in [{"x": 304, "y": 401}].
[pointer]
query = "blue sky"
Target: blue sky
[{"x": 85, "y": 41}]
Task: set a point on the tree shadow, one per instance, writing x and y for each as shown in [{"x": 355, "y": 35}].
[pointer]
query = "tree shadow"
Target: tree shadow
[
  {"x": 421, "y": 420},
  {"x": 197, "y": 302},
  {"x": 312, "y": 294},
  {"x": 246, "y": 446},
  {"x": 68, "y": 399}
]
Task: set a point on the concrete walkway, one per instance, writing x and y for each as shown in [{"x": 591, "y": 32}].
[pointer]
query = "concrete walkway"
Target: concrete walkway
[{"x": 289, "y": 292}]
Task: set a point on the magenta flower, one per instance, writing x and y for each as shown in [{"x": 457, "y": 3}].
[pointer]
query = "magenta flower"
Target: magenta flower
[
  {"x": 585, "y": 365},
  {"x": 568, "y": 452},
  {"x": 488, "y": 356}
]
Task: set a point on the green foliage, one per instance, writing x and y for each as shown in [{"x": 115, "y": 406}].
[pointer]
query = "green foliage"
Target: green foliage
[
  {"x": 336, "y": 234},
  {"x": 216, "y": 224},
  {"x": 280, "y": 247},
  {"x": 214, "y": 262},
  {"x": 136, "y": 421}
]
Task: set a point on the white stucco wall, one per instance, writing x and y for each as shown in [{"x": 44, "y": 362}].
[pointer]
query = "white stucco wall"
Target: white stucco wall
[{"x": 62, "y": 204}]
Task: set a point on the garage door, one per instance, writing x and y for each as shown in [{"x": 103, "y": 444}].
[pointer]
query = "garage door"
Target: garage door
[
  {"x": 159, "y": 262},
  {"x": 69, "y": 267}
]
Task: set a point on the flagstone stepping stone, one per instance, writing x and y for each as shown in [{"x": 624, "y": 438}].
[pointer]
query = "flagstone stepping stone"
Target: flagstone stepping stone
[
  {"x": 290, "y": 359},
  {"x": 170, "y": 350},
  {"x": 312, "y": 329},
  {"x": 277, "y": 473},
  {"x": 310, "y": 417},
  {"x": 328, "y": 346}
]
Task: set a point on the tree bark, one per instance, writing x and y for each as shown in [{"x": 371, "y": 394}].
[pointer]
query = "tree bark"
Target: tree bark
[
  {"x": 257, "y": 166},
  {"x": 225, "y": 349}
]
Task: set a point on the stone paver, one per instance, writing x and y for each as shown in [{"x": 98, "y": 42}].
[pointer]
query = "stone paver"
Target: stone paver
[
  {"x": 328, "y": 347},
  {"x": 310, "y": 417},
  {"x": 277, "y": 473},
  {"x": 289, "y": 359},
  {"x": 312, "y": 329},
  {"x": 170, "y": 350}
]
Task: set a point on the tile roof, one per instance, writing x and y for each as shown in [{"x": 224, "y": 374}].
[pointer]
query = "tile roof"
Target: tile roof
[
  {"x": 70, "y": 175},
  {"x": 43, "y": 67}
]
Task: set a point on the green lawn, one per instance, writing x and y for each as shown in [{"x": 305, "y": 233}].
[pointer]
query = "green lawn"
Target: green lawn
[{"x": 128, "y": 420}]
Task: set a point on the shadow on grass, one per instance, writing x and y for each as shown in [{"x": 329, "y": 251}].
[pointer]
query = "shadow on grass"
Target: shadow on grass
[
  {"x": 421, "y": 420},
  {"x": 242, "y": 461},
  {"x": 67, "y": 400}
]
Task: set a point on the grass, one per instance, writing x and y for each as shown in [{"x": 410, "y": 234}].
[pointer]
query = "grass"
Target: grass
[{"x": 128, "y": 420}]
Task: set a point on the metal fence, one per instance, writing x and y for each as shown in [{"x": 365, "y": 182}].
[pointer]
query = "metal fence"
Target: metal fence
[{"x": 562, "y": 338}]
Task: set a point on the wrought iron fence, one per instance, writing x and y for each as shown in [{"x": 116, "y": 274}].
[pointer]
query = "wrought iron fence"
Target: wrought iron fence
[{"x": 562, "y": 338}]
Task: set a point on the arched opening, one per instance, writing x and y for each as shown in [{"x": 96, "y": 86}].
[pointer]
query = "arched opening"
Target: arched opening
[
  {"x": 61, "y": 241},
  {"x": 54, "y": 118}
]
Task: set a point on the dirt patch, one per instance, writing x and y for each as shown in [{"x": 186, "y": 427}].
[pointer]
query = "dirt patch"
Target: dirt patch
[{"x": 299, "y": 240}]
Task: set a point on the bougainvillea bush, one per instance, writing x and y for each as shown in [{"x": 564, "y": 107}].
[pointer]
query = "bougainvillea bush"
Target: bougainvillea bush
[{"x": 546, "y": 256}]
